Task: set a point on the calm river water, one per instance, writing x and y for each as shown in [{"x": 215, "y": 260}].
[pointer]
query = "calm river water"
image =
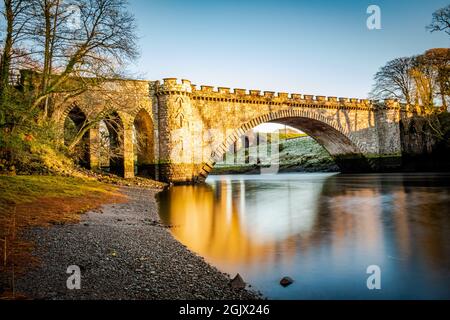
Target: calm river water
[{"x": 322, "y": 230}]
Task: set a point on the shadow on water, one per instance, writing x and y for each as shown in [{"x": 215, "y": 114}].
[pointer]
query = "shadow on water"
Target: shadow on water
[{"x": 323, "y": 230}]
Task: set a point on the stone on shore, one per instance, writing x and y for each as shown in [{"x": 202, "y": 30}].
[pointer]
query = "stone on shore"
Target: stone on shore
[
  {"x": 286, "y": 281},
  {"x": 237, "y": 282}
]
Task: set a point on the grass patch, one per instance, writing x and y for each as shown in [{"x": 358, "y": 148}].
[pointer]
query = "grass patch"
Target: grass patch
[
  {"x": 32, "y": 201},
  {"x": 291, "y": 135},
  {"x": 22, "y": 189}
]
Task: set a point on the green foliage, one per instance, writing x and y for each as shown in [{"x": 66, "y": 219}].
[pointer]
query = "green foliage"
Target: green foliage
[{"x": 27, "y": 145}]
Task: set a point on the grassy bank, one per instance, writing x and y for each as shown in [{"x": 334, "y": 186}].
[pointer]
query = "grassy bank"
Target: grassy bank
[
  {"x": 31, "y": 201},
  {"x": 301, "y": 154}
]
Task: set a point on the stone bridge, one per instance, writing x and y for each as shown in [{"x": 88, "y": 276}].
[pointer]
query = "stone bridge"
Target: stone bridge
[{"x": 183, "y": 130}]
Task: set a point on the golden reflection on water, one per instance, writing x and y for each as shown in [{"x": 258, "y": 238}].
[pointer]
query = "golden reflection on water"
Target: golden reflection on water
[
  {"x": 316, "y": 221},
  {"x": 215, "y": 228}
]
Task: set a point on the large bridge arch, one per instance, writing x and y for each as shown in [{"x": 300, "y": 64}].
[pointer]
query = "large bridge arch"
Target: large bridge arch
[
  {"x": 74, "y": 120},
  {"x": 67, "y": 112},
  {"x": 143, "y": 142},
  {"x": 335, "y": 138}
]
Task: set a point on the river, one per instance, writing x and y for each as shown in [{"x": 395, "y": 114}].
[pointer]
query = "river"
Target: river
[{"x": 322, "y": 230}]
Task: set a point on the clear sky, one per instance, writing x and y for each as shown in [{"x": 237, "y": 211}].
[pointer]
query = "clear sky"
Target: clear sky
[{"x": 312, "y": 47}]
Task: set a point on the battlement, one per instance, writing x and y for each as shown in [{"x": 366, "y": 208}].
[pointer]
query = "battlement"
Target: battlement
[
  {"x": 258, "y": 96},
  {"x": 173, "y": 85}
]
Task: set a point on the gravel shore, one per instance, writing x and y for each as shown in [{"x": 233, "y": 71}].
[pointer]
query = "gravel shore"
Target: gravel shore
[{"x": 123, "y": 252}]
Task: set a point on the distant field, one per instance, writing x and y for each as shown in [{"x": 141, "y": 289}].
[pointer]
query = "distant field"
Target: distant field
[{"x": 291, "y": 135}]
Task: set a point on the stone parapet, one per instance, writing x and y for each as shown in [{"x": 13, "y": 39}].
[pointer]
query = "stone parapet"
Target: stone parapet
[{"x": 211, "y": 93}]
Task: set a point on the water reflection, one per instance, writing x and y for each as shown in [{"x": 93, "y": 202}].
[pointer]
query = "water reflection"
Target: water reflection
[{"x": 323, "y": 230}]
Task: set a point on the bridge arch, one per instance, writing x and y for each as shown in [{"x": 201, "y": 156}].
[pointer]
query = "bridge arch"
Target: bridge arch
[
  {"x": 335, "y": 138},
  {"x": 75, "y": 105},
  {"x": 143, "y": 143},
  {"x": 111, "y": 148},
  {"x": 68, "y": 113},
  {"x": 74, "y": 120}
]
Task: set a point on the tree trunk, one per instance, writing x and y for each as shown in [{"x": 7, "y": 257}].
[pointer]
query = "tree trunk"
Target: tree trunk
[
  {"x": 47, "y": 49},
  {"x": 5, "y": 63}
]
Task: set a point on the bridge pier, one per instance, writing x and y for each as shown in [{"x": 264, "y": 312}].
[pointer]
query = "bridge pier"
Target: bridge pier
[
  {"x": 177, "y": 141},
  {"x": 94, "y": 146},
  {"x": 128, "y": 153}
]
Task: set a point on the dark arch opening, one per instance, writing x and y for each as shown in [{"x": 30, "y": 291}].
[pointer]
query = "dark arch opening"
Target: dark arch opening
[
  {"x": 346, "y": 154},
  {"x": 73, "y": 124},
  {"x": 332, "y": 140},
  {"x": 111, "y": 144},
  {"x": 143, "y": 145}
]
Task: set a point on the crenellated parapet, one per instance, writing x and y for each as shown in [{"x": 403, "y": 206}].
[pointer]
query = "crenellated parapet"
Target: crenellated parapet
[
  {"x": 173, "y": 86},
  {"x": 239, "y": 95}
]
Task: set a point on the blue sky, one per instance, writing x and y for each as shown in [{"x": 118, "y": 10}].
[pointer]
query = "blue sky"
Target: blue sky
[{"x": 311, "y": 47}]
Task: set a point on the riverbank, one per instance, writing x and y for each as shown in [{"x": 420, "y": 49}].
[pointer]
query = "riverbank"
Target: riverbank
[
  {"x": 41, "y": 201},
  {"x": 124, "y": 252}
]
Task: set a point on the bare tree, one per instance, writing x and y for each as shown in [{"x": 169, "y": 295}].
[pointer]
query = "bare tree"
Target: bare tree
[
  {"x": 47, "y": 19},
  {"x": 441, "y": 20},
  {"x": 98, "y": 46},
  {"x": 394, "y": 80},
  {"x": 421, "y": 81},
  {"x": 14, "y": 21}
]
